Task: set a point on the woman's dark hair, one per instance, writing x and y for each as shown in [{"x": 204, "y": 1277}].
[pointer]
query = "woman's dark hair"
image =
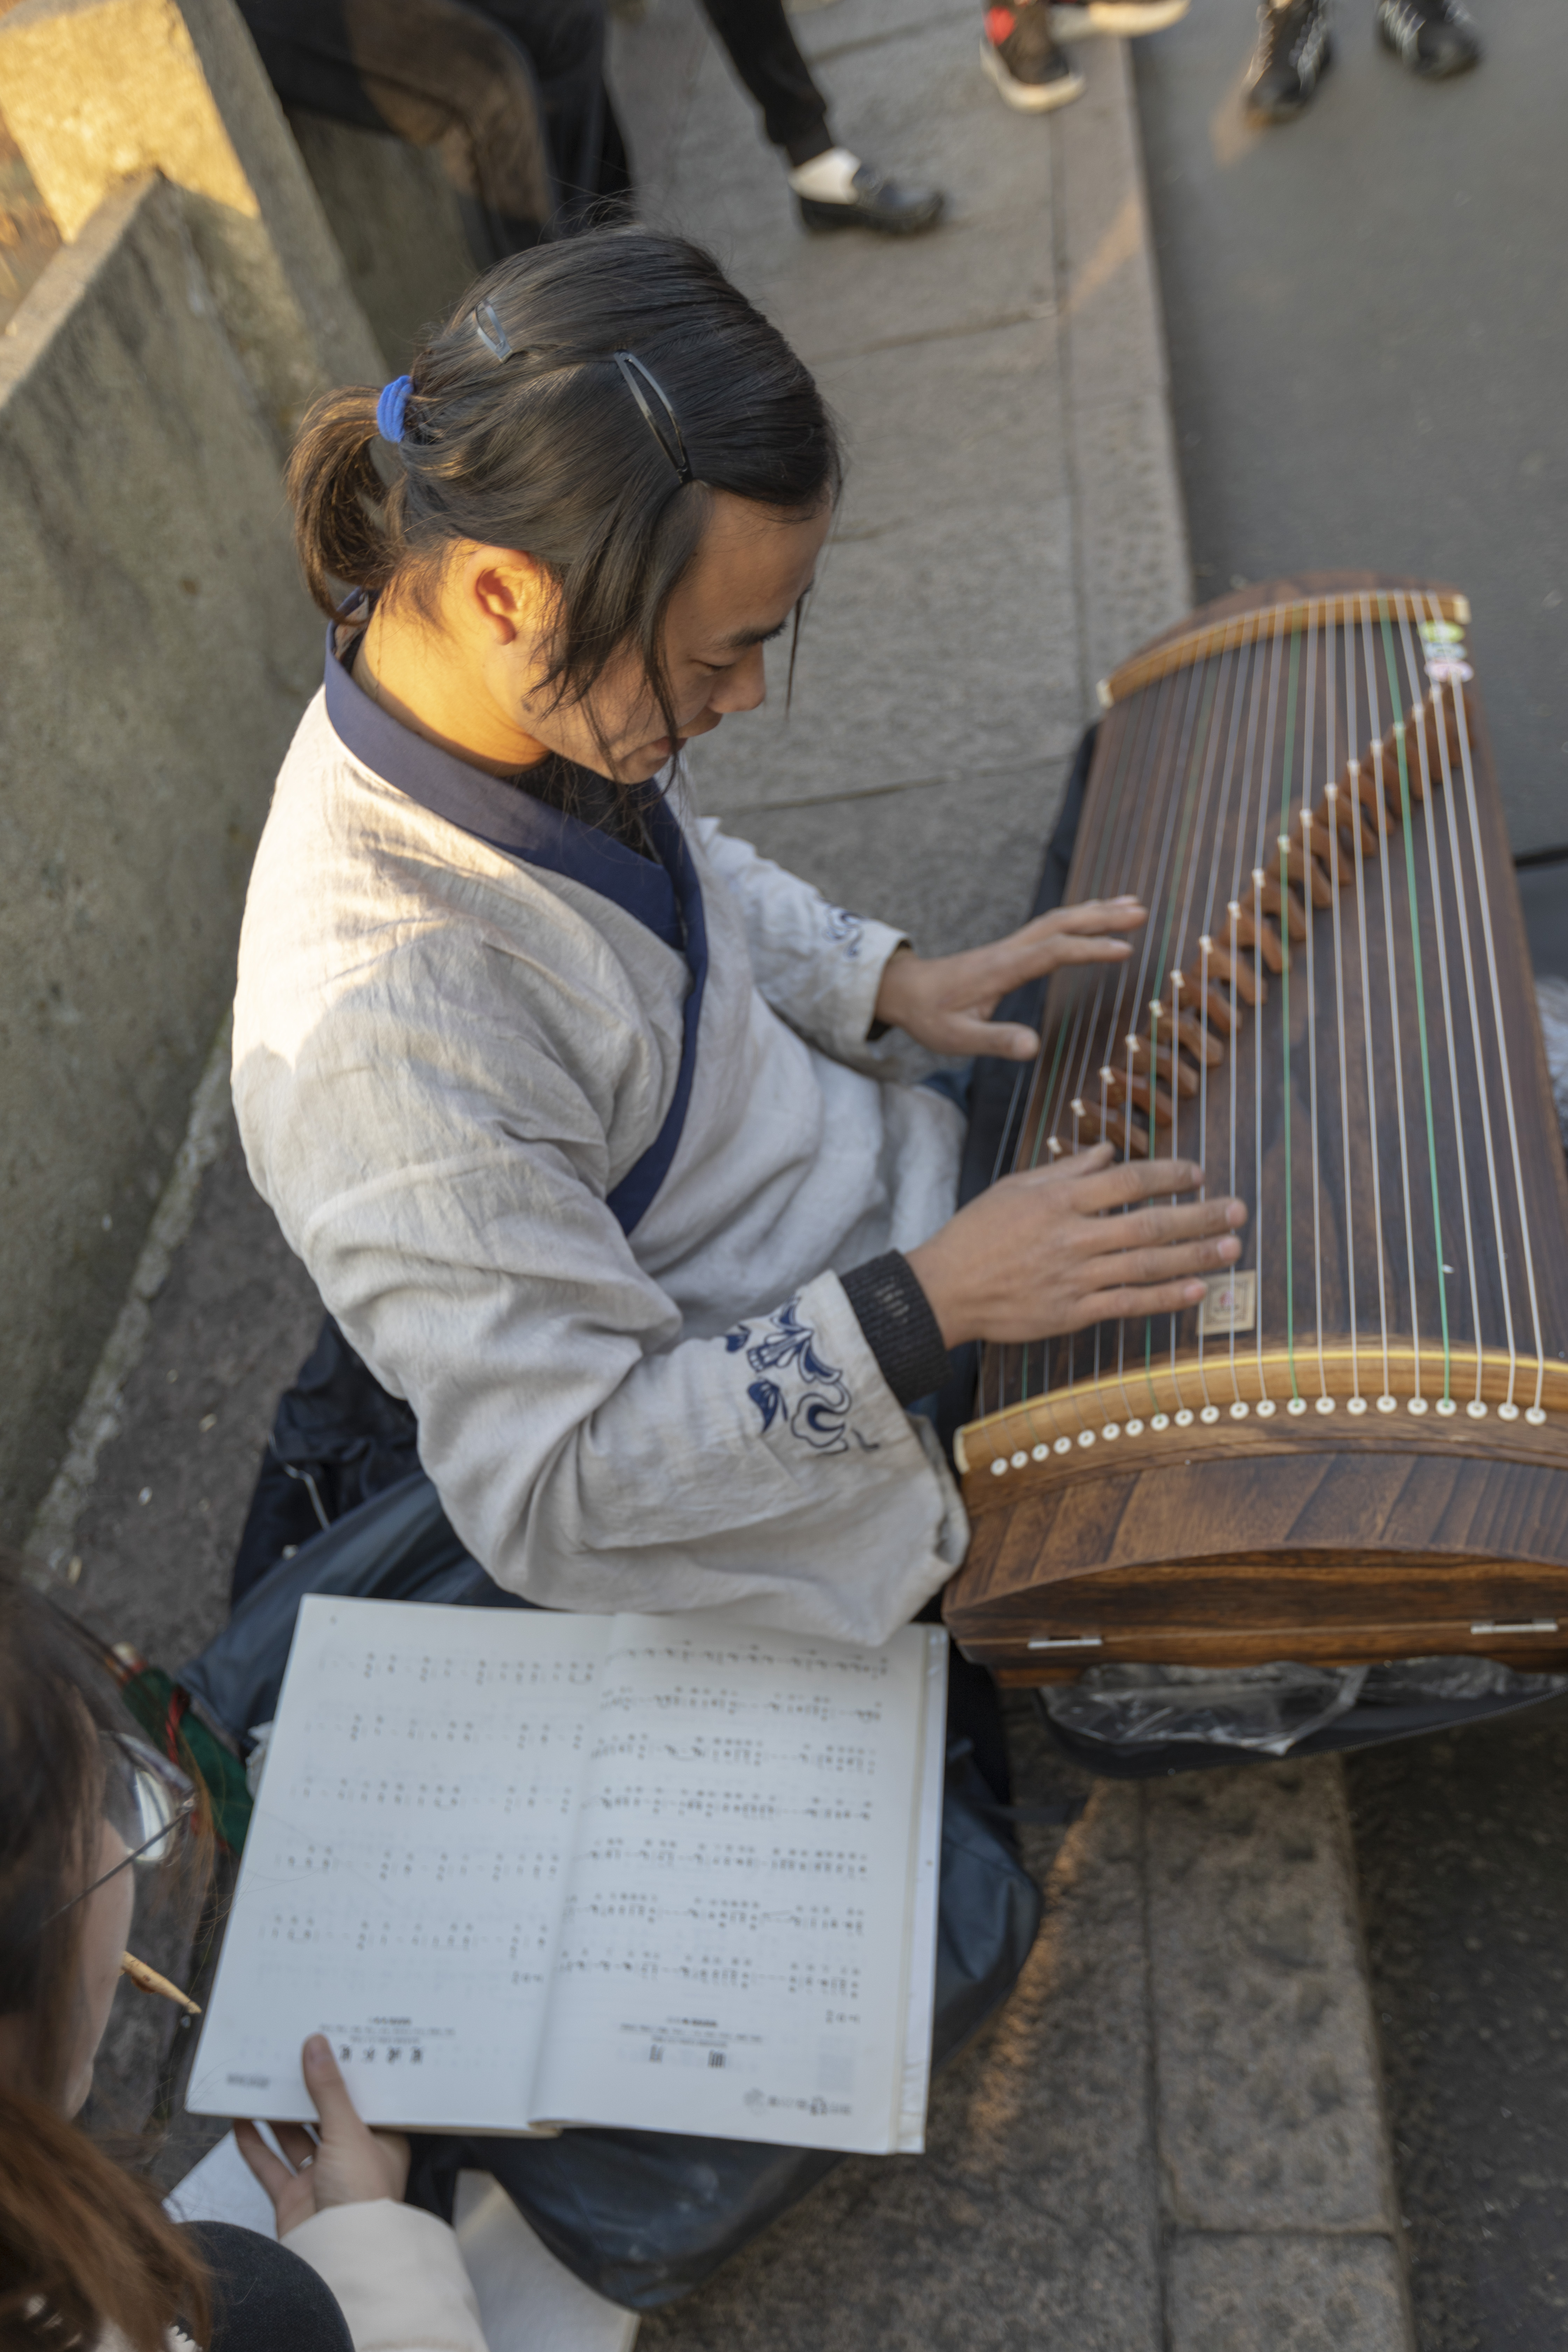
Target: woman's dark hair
[
  {"x": 547, "y": 450},
  {"x": 83, "y": 2245}
]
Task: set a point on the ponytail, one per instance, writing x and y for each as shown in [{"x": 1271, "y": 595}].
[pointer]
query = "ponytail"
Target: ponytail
[{"x": 343, "y": 530}]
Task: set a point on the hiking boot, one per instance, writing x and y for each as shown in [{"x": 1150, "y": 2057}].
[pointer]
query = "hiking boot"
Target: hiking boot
[
  {"x": 1018, "y": 53},
  {"x": 1293, "y": 53},
  {"x": 1433, "y": 36}
]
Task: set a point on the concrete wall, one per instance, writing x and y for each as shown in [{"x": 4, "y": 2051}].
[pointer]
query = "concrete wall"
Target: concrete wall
[
  {"x": 396, "y": 221},
  {"x": 94, "y": 92},
  {"x": 27, "y": 235},
  {"x": 155, "y": 652},
  {"x": 156, "y": 647}
]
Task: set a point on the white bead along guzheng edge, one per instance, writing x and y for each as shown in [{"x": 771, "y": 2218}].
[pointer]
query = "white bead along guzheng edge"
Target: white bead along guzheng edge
[{"x": 1068, "y": 1423}]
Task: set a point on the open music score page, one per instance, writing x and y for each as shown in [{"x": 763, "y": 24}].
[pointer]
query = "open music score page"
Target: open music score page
[{"x": 529, "y": 1870}]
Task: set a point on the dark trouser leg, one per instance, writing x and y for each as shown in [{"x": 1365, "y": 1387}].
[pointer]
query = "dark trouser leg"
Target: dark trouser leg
[
  {"x": 459, "y": 78},
  {"x": 763, "y": 52},
  {"x": 564, "y": 41}
]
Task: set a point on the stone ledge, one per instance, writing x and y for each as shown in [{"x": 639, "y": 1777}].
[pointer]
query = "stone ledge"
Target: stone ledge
[
  {"x": 1286, "y": 2293},
  {"x": 1270, "y": 2116},
  {"x": 96, "y": 91},
  {"x": 149, "y": 564}
]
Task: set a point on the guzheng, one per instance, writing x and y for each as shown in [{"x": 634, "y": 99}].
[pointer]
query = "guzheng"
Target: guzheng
[{"x": 1356, "y": 1448}]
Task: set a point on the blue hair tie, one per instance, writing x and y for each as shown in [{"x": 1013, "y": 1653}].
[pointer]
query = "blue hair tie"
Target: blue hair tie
[{"x": 391, "y": 407}]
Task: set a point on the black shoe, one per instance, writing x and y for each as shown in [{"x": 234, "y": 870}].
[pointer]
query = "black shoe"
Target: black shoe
[
  {"x": 879, "y": 204},
  {"x": 1433, "y": 36},
  {"x": 1023, "y": 60},
  {"x": 1293, "y": 53}
]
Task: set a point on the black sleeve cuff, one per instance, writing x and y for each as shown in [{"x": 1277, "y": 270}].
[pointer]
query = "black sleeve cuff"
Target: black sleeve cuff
[{"x": 900, "y": 1328}]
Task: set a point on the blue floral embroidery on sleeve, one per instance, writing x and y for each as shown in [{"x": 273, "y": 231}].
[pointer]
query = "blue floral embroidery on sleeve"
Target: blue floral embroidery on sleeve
[
  {"x": 768, "y": 1398},
  {"x": 818, "y": 1421},
  {"x": 788, "y": 1345},
  {"x": 847, "y": 929}
]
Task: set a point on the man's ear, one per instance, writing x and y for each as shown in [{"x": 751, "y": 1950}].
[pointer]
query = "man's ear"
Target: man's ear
[{"x": 507, "y": 593}]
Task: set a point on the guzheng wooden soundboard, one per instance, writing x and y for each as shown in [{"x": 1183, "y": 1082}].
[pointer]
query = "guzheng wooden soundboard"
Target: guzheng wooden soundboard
[{"x": 1357, "y": 1447}]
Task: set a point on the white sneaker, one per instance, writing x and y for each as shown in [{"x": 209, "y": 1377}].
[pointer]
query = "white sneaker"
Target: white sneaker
[{"x": 1073, "y": 20}]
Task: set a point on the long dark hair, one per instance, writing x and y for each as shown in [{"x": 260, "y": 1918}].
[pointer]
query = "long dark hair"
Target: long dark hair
[
  {"x": 545, "y": 450},
  {"x": 83, "y": 2245}
]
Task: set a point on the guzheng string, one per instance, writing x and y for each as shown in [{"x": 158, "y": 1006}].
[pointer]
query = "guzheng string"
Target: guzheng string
[
  {"x": 1266, "y": 1404},
  {"x": 1387, "y": 1403},
  {"x": 1358, "y": 1404},
  {"x": 1412, "y": 908},
  {"x": 1511, "y": 1407},
  {"x": 1414, "y": 691},
  {"x": 1162, "y": 905},
  {"x": 1209, "y": 764},
  {"x": 1135, "y": 744},
  {"x": 1307, "y": 778},
  {"x": 1166, "y": 963},
  {"x": 1476, "y": 1406},
  {"x": 1240, "y": 680},
  {"x": 1200, "y": 833},
  {"x": 1282, "y": 840}
]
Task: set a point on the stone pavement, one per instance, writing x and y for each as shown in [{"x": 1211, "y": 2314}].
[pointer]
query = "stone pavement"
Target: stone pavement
[{"x": 1171, "y": 2140}]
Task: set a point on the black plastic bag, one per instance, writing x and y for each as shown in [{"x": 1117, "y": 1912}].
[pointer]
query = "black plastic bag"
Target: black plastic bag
[
  {"x": 338, "y": 1438},
  {"x": 400, "y": 1546}
]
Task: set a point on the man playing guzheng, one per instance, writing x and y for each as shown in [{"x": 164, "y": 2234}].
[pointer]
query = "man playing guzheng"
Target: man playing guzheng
[{"x": 601, "y": 1135}]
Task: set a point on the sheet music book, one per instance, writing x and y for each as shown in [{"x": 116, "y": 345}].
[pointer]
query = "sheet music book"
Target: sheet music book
[{"x": 529, "y": 1870}]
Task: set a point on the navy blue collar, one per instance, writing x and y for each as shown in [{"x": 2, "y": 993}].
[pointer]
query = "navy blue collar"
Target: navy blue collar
[
  {"x": 504, "y": 815},
  {"x": 666, "y": 898}
]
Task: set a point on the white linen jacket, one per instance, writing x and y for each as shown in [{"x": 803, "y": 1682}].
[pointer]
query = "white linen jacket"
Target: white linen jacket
[
  {"x": 572, "y": 1144},
  {"x": 398, "y": 2274}
]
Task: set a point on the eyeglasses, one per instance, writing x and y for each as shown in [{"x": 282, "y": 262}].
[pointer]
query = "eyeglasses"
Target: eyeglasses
[{"x": 148, "y": 1802}]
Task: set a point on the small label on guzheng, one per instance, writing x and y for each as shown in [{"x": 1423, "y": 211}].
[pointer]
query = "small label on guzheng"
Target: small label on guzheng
[
  {"x": 1231, "y": 1303},
  {"x": 1443, "y": 642}
]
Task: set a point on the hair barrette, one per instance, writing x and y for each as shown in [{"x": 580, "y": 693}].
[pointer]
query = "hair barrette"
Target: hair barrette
[
  {"x": 627, "y": 362},
  {"x": 490, "y": 332}
]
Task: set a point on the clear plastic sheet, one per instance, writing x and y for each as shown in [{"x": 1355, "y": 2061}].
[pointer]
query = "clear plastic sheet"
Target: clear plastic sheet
[
  {"x": 1416, "y": 1678},
  {"x": 1263, "y": 1709},
  {"x": 1552, "y": 997},
  {"x": 1266, "y": 1710}
]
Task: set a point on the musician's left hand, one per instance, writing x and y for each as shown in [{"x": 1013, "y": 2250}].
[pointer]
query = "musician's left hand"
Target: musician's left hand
[{"x": 945, "y": 1002}]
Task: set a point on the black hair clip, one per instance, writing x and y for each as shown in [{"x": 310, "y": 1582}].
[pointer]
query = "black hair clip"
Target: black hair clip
[
  {"x": 490, "y": 332},
  {"x": 627, "y": 362}
]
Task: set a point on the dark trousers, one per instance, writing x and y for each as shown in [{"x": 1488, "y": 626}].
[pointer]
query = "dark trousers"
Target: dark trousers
[
  {"x": 762, "y": 50},
  {"x": 510, "y": 93}
]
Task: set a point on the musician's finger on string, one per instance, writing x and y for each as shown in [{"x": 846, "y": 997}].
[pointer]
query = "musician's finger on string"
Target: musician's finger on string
[
  {"x": 1036, "y": 1256},
  {"x": 1104, "y": 1181},
  {"x": 945, "y": 1002}
]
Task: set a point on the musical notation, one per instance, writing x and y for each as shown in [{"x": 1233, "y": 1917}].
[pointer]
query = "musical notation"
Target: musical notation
[{"x": 614, "y": 1849}]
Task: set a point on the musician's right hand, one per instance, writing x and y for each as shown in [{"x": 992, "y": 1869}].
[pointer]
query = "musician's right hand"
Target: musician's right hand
[{"x": 1043, "y": 1252}]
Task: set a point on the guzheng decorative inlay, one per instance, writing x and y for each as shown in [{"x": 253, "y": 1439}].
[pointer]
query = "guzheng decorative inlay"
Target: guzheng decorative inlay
[{"x": 1358, "y": 1445}]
